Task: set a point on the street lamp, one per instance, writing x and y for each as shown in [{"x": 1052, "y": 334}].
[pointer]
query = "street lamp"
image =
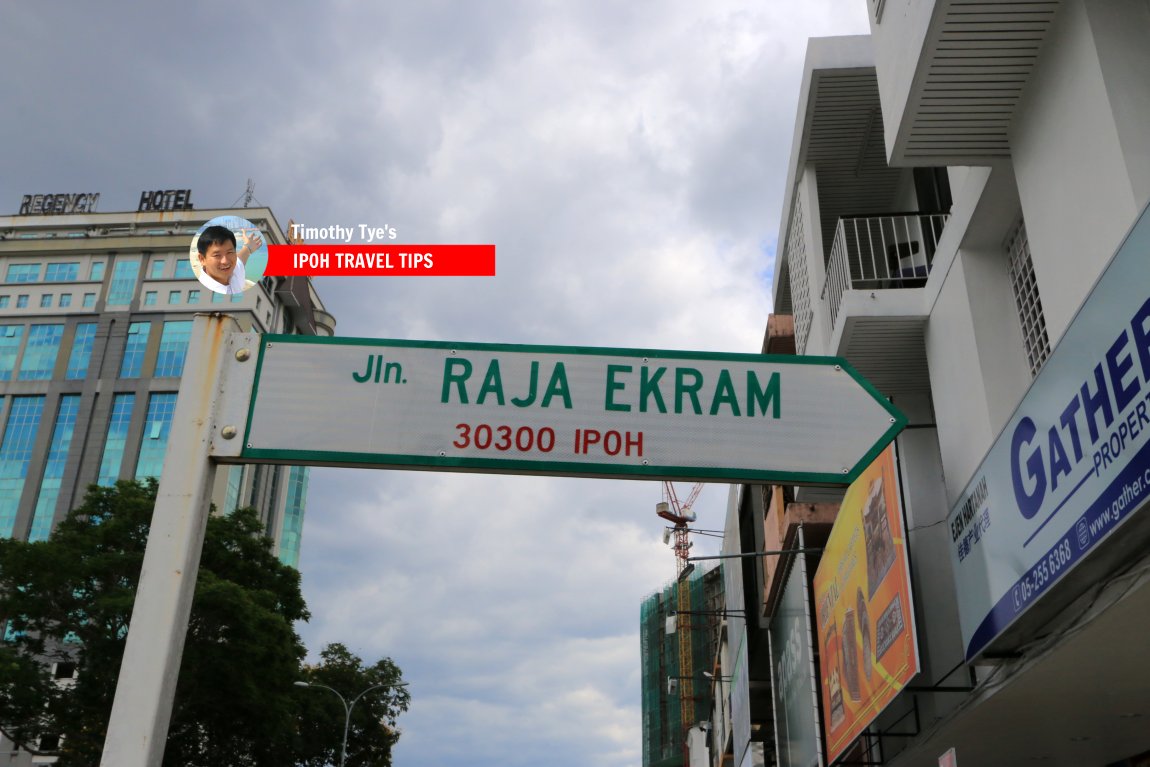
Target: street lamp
[{"x": 347, "y": 707}]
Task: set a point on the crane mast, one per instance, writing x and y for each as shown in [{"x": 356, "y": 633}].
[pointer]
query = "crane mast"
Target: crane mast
[{"x": 679, "y": 514}]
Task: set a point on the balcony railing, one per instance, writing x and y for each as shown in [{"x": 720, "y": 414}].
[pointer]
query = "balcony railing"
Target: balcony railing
[{"x": 881, "y": 253}]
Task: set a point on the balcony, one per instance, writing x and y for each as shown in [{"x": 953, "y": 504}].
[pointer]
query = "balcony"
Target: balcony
[
  {"x": 880, "y": 253},
  {"x": 873, "y": 297}
]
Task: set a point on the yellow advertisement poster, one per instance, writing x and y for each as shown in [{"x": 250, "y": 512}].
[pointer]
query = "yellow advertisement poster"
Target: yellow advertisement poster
[{"x": 863, "y": 607}]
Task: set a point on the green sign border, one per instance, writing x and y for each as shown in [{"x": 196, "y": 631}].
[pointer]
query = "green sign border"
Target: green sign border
[{"x": 563, "y": 468}]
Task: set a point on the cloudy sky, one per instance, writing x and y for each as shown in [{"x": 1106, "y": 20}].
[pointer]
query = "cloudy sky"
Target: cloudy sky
[{"x": 628, "y": 162}]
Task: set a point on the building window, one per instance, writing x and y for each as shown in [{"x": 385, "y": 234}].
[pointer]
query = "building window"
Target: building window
[
  {"x": 232, "y": 497},
  {"x": 293, "y": 515},
  {"x": 193, "y": 296},
  {"x": 122, "y": 405},
  {"x": 174, "y": 296},
  {"x": 158, "y": 265},
  {"x": 15, "y": 455},
  {"x": 64, "y": 670},
  {"x": 65, "y": 300},
  {"x": 46, "y": 301},
  {"x": 40, "y": 352},
  {"x": 10, "y": 338},
  {"x": 62, "y": 272},
  {"x": 48, "y": 743},
  {"x": 237, "y": 297},
  {"x": 22, "y": 301},
  {"x": 218, "y": 298},
  {"x": 123, "y": 283},
  {"x": 1026, "y": 299},
  {"x": 54, "y": 468},
  {"x": 23, "y": 273},
  {"x": 173, "y": 349},
  {"x": 134, "y": 349},
  {"x": 89, "y": 300},
  {"x": 159, "y": 422},
  {"x": 4, "y": 300},
  {"x": 81, "y": 353},
  {"x": 150, "y": 298},
  {"x": 184, "y": 270},
  {"x": 97, "y": 272}
]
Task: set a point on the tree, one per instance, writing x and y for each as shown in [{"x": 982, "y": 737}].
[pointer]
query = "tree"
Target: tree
[
  {"x": 372, "y": 730},
  {"x": 68, "y": 600}
]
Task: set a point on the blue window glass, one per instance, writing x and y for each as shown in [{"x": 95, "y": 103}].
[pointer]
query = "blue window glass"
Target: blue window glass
[
  {"x": 123, "y": 283},
  {"x": 22, "y": 301},
  {"x": 62, "y": 272},
  {"x": 46, "y": 301},
  {"x": 218, "y": 298},
  {"x": 293, "y": 515},
  {"x": 15, "y": 454},
  {"x": 121, "y": 417},
  {"x": 237, "y": 297},
  {"x": 184, "y": 270},
  {"x": 10, "y": 338},
  {"x": 4, "y": 301},
  {"x": 81, "y": 351},
  {"x": 97, "y": 272},
  {"x": 173, "y": 349},
  {"x": 150, "y": 298},
  {"x": 54, "y": 468},
  {"x": 89, "y": 300},
  {"x": 174, "y": 296},
  {"x": 193, "y": 296},
  {"x": 40, "y": 352},
  {"x": 23, "y": 273},
  {"x": 157, "y": 269},
  {"x": 65, "y": 300},
  {"x": 155, "y": 441},
  {"x": 134, "y": 349},
  {"x": 235, "y": 479}
]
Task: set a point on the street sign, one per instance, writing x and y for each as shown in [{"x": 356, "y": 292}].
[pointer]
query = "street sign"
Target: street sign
[{"x": 640, "y": 414}]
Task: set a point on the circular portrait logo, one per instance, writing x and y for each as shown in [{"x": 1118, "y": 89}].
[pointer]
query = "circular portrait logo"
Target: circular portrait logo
[{"x": 228, "y": 254}]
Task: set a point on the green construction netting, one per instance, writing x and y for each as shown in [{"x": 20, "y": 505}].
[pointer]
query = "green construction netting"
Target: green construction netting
[{"x": 663, "y": 727}]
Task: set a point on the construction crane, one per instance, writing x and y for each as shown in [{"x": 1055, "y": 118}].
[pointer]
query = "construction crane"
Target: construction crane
[{"x": 680, "y": 515}]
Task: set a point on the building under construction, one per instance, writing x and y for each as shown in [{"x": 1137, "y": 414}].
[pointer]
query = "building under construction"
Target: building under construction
[{"x": 679, "y": 630}]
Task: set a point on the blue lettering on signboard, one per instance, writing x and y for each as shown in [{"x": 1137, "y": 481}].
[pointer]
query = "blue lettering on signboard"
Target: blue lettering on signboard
[{"x": 1109, "y": 395}]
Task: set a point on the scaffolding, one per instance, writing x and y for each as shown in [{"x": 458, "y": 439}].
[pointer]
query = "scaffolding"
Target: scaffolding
[{"x": 671, "y": 701}]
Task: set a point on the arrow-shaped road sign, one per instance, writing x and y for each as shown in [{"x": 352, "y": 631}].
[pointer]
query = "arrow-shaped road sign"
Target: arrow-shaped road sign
[{"x": 628, "y": 413}]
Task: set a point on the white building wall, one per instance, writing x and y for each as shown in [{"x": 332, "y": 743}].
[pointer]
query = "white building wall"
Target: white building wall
[
  {"x": 807, "y": 194},
  {"x": 898, "y": 41},
  {"x": 1076, "y": 190}
]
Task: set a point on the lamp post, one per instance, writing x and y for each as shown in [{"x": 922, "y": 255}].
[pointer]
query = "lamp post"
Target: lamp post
[{"x": 347, "y": 707}]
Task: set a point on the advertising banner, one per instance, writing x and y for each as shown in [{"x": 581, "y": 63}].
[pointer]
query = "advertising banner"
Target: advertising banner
[
  {"x": 793, "y": 675},
  {"x": 864, "y": 607},
  {"x": 1072, "y": 463},
  {"x": 563, "y": 410}
]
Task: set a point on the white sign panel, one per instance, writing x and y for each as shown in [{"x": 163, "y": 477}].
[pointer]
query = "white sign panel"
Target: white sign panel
[
  {"x": 561, "y": 410},
  {"x": 1073, "y": 461}
]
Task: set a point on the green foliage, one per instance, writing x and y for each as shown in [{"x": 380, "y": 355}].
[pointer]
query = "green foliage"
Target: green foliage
[
  {"x": 69, "y": 599},
  {"x": 372, "y": 730}
]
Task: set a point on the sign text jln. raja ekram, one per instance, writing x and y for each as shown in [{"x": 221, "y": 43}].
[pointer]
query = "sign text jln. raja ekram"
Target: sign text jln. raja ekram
[{"x": 641, "y": 414}]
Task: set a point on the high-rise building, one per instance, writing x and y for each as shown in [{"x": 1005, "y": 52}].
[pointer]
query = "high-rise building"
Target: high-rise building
[
  {"x": 677, "y": 656},
  {"x": 95, "y": 316}
]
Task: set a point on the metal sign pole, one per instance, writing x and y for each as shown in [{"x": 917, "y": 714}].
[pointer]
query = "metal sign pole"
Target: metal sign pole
[{"x": 142, "y": 709}]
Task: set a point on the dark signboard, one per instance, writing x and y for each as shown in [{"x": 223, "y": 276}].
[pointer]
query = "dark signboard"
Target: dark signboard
[
  {"x": 58, "y": 204},
  {"x": 165, "y": 199}
]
